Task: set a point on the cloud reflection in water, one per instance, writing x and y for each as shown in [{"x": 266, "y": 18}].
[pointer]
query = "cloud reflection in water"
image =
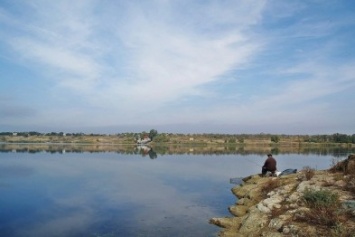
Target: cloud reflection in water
[{"x": 108, "y": 194}]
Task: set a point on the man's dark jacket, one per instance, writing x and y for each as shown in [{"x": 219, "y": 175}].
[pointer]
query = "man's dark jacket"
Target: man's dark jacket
[{"x": 270, "y": 164}]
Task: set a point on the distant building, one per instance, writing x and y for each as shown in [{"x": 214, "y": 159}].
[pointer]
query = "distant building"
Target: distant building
[{"x": 145, "y": 140}]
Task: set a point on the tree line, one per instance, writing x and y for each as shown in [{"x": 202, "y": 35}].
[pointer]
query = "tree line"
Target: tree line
[{"x": 228, "y": 138}]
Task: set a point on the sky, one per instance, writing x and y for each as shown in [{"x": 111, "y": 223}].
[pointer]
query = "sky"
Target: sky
[{"x": 180, "y": 66}]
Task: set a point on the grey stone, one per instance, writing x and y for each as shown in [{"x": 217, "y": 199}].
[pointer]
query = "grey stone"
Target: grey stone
[
  {"x": 276, "y": 223},
  {"x": 286, "y": 230},
  {"x": 349, "y": 204}
]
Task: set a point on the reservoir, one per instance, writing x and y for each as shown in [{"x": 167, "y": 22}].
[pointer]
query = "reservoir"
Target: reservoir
[{"x": 67, "y": 193}]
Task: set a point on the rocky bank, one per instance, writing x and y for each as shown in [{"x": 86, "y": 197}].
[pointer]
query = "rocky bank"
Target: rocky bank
[{"x": 277, "y": 206}]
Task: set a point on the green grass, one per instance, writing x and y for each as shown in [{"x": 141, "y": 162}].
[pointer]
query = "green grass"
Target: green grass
[{"x": 320, "y": 198}]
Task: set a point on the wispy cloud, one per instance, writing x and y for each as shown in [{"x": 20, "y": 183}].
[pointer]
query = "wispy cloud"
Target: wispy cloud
[
  {"x": 162, "y": 53},
  {"x": 179, "y": 61}
]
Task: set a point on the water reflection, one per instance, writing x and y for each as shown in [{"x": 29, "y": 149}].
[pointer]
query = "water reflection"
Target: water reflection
[
  {"x": 109, "y": 194},
  {"x": 154, "y": 152},
  {"x": 147, "y": 150},
  {"x": 88, "y": 193}
]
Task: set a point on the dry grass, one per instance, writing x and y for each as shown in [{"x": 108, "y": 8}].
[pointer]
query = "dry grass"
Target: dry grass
[
  {"x": 320, "y": 198},
  {"x": 350, "y": 184},
  {"x": 323, "y": 206},
  {"x": 326, "y": 211},
  {"x": 308, "y": 172},
  {"x": 326, "y": 214},
  {"x": 340, "y": 230},
  {"x": 346, "y": 168},
  {"x": 323, "y": 216},
  {"x": 269, "y": 185},
  {"x": 276, "y": 212}
]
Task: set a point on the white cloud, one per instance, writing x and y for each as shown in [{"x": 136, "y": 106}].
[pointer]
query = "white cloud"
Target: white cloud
[
  {"x": 110, "y": 63},
  {"x": 58, "y": 57},
  {"x": 162, "y": 54}
]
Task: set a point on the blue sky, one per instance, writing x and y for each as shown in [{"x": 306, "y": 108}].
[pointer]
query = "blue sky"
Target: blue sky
[{"x": 185, "y": 66}]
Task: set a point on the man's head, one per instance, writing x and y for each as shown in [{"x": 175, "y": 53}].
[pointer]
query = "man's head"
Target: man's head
[{"x": 269, "y": 155}]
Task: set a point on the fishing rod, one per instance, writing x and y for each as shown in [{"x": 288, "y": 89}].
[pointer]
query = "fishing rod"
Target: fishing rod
[
  {"x": 254, "y": 162},
  {"x": 239, "y": 180}
]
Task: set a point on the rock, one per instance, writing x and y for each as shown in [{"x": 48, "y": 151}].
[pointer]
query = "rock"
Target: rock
[
  {"x": 349, "y": 204},
  {"x": 272, "y": 193},
  {"x": 272, "y": 201},
  {"x": 346, "y": 166},
  {"x": 253, "y": 222},
  {"x": 261, "y": 207},
  {"x": 308, "y": 185},
  {"x": 240, "y": 191},
  {"x": 238, "y": 210},
  {"x": 253, "y": 193},
  {"x": 276, "y": 223},
  {"x": 307, "y": 231},
  {"x": 293, "y": 198},
  {"x": 286, "y": 217},
  {"x": 271, "y": 234},
  {"x": 226, "y": 222},
  {"x": 256, "y": 216},
  {"x": 340, "y": 183},
  {"x": 350, "y": 168},
  {"x": 286, "y": 230},
  {"x": 247, "y": 178},
  {"x": 245, "y": 202}
]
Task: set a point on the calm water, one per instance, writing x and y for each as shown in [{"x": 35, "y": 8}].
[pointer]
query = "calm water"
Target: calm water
[{"x": 113, "y": 194}]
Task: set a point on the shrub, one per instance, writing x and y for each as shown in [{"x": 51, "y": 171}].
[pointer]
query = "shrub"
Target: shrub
[
  {"x": 320, "y": 198},
  {"x": 329, "y": 222},
  {"x": 275, "y": 138},
  {"x": 322, "y": 216},
  {"x": 308, "y": 172},
  {"x": 324, "y": 206}
]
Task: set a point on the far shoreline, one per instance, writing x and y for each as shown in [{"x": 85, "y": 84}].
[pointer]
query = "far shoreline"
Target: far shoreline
[{"x": 161, "y": 148}]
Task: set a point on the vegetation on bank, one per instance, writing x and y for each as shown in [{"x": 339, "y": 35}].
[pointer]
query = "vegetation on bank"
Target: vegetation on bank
[
  {"x": 167, "y": 149},
  {"x": 306, "y": 204},
  {"x": 326, "y": 209},
  {"x": 177, "y": 138}
]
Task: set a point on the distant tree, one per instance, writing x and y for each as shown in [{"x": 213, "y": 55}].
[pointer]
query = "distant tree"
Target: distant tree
[
  {"x": 341, "y": 138},
  {"x": 5, "y": 133},
  {"x": 32, "y": 133},
  {"x": 161, "y": 138},
  {"x": 275, "y": 138},
  {"x": 152, "y": 133}
]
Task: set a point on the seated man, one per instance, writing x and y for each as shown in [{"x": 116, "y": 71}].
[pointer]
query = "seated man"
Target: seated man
[{"x": 269, "y": 165}]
